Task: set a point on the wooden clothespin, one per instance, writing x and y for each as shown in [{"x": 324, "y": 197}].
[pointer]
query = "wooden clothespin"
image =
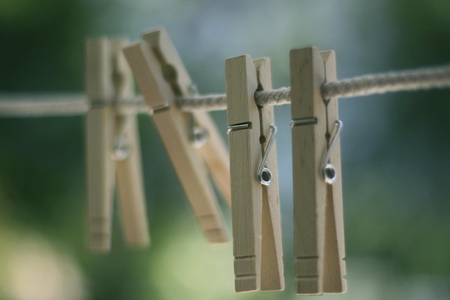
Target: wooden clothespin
[
  {"x": 257, "y": 247},
  {"x": 318, "y": 215},
  {"x": 190, "y": 139},
  {"x": 113, "y": 148}
]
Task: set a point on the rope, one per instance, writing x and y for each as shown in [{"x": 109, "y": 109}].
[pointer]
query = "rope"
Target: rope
[
  {"x": 388, "y": 82},
  {"x": 53, "y": 105},
  {"x": 274, "y": 97},
  {"x": 219, "y": 102},
  {"x": 423, "y": 79},
  {"x": 71, "y": 105},
  {"x": 207, "y": 102},
  {"x": 22, "y": 105}
]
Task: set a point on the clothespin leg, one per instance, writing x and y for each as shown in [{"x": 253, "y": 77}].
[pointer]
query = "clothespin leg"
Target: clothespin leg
[
  {"x": 272, "y": 269},
  {"x": 130, "y": 185},
  {"x": 99, "y": 137},
  {"x": 131, "y": 193},
  {"x": 245, "y": 155},
  {"x": 334, "y": 234},
  {"x": 215, "y": 155},
  {"x": 318, "y": 265}
]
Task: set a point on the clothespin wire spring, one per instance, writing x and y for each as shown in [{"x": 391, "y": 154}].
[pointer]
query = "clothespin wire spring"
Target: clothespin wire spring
[
  {"x": 264, "y": 174},
  {"x": 327, "y": 170},
  {"x": 197, "y": 135},
  {"x": 122, "y": 147}
]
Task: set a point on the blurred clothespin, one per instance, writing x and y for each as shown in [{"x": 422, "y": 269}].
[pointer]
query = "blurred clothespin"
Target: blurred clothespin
[
  {"x": 318, "y": 215},
  {"x": 258, "y": 262},
  {"x": 113, "y": 147},
  {"x": 191, "y": 139}
]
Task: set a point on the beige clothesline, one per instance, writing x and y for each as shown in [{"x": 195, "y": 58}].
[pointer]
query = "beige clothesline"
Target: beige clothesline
[{"x": 32, "y": 105}]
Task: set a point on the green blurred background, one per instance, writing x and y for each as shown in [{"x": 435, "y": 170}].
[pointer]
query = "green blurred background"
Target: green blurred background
[{"x": 395, "y": 148}]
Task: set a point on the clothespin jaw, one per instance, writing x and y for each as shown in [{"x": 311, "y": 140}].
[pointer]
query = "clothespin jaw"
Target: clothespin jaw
[
  {"x": 318, "y": 216},
  {"x": 108, "y": 78},
  {"x": 161, "y": 77},
  {"x": 255, "y": 211}
]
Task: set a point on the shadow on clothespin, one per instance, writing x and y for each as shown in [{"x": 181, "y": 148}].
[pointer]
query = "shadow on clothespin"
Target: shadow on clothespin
[
  {"x": 257, "y": 241},
  {"x": 191, "y": 139},
  {"x": 113, "y": 148},
  {"x": 318, "y": 215}
]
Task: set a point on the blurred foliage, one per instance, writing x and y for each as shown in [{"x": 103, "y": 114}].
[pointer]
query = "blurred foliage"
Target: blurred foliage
[{"x": 395, "y": 148}]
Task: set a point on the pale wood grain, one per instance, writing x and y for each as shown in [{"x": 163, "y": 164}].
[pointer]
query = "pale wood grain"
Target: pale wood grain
[
  {"x": 272, "y": 268},
  {"x": 129, "y": 172},
  {"x": 108, "y": 76},
  {"x": 334, "y": 235},
  {"x": 143, "y": 64},
  {"x": 99, "y": 137},
  {"x": 308, "y": 147},
  {"x": 318, "y": 216},
  {"x": 172, "y": 126},
  {"x": 245, "y": 156},
  {"x": 214, "y": 152}
]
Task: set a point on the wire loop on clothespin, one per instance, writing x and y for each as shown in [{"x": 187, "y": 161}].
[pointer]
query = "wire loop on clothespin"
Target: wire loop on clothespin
[
  {"x": 197, "y": 134},
  {"x": 264, "y": 174},
  {"x": 327, "y": 170},
  {"x": 122, "y": 146}
]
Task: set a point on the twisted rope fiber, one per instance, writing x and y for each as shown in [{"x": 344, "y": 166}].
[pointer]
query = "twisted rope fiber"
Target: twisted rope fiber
[
  {"x": 219, "y": 102},
  {"x": 71, "y": 105},
  {"x": 274, "y": 97},
  {"x": 428, "y": 78},
  {"x": 206, "y": 102}
]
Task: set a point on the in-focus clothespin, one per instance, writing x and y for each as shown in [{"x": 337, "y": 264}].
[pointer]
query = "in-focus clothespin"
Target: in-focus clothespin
[
  {"x": 161, "y": 77},
  {"x": 257, "y": 241},
  {"x": 113, "y": 148},
  {"x": 318, "y": 215}
]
